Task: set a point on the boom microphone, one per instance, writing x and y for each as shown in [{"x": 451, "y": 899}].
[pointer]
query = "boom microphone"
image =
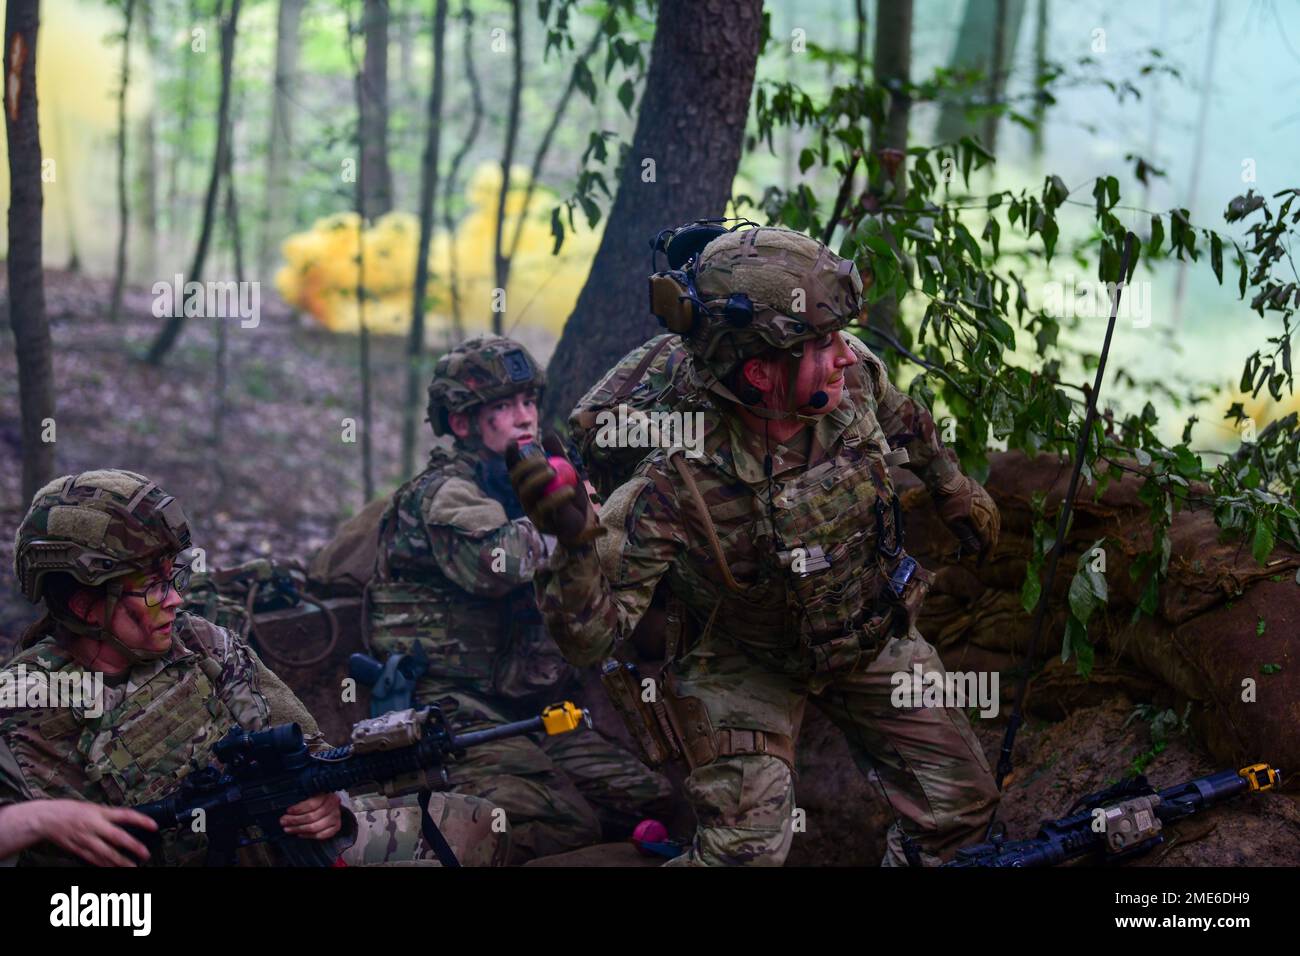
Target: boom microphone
[{"x": 819, "y": 399}]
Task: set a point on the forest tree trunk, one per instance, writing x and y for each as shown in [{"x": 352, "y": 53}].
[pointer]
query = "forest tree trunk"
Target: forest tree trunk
[
  {"x": 148, "y": 171},
  {"x": 680, "y": 167},
  {"x": 453, "y": 173},
  {"x": 415, "y": 370},
  {"x": 123, "y": 206},
  {"x": 275, "y": 218},
  {"x": 171, "y": 331},
  {"x": 974, "y": 52},
  {"x": 376, "y": 177},
  {"x": 26, "y": 279},
  {"x": 500, "y": 262},
  {"x": 893, "y": 66}
]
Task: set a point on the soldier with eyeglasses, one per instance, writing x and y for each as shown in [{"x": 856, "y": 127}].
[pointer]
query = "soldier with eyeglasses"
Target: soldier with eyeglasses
[{"x": 104, "y": 551}]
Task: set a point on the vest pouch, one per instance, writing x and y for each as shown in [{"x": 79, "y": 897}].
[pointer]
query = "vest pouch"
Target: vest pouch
[
  {"x": 533, "y": 668},
  {"x": 646, "y": 721},
  {"x": 170, "y": 732},
  {"x": 459, "y": 637}
]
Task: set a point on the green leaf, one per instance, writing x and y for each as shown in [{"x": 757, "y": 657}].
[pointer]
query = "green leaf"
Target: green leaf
[
  {"x": 1031, "y": 590},
  {"x": 806, "y": 159},
  {"x": 1216, "y": 256},
  {"x": 1055, "y": 192},
  {"x": 1050, "y": 233},
  {"x": 557, "y": 230},
  {"x": 1157, "y": 233},
  {"x": 626, "y": 94},
  {"x": 1076, "y": 640},
  {"x": 1150, "y": 595},
  {"x": 582, "y": 79},
  {"x": 1260, "y": 626},
  {"x": 1262, "y": 546},
  {"x": 1271, "y": 668},
  {"x": 967, "y": 242}
]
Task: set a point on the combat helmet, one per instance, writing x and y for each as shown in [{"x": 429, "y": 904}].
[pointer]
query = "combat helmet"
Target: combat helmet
[
  {"x": 732, "y": 294},
  {"x": 97, "y": 527},
  {"x": 480, "y": 370}
]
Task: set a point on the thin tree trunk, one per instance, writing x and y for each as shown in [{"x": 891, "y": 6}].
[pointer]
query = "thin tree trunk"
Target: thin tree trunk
[
  {"x": 678, "y": 169},
  {"x": 1154, "y": 115},
  {"x": 501, "y": 265},
  {"x": 544, "y": 147},
  {"x": 66, "y": 201},
  {"x": 893, "y": 66},
  {"x": 1040, "y": 67},
  {"x": 415, "y": 371},
  {"x": 223, "y": 343},
  {"x": 279, "y": 149},
  {"x": 860, "y": 45},
  {"x": 123, "y": 207},
  {"x": 376, "y": 177},
  {"x": 26, "y": 278},
  {"x": 475, "y": 124},
  {"x": 178, "y": 151},
  {"x": 149, "y": 161},
  {"x": 172, "y": 329},
  {"x": 972, "y": 52},
  {"x": 407, "y": 98},
  {"x": 363, "y": 330},
  {"x": 1198, "y": 150},
  {"x": 996, "y": 78}
]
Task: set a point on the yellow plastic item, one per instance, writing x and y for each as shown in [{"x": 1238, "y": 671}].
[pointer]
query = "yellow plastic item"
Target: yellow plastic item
[
  {"x": 1253, "y": 774},
  {"x": 562, "y": 718}
]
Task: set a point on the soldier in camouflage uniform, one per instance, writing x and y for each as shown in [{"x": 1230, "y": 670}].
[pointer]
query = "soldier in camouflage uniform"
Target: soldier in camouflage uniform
[
  {"x": 778, "y": 546},
  {"x": 454, "y": 576},
  {"x": 100, "y": 549}
]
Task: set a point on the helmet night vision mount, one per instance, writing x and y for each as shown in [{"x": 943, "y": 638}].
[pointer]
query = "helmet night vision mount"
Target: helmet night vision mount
[{"x": 674, "y": 299}]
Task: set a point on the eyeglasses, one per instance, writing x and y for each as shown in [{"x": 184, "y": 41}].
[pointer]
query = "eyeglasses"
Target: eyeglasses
[{"x": 156, "y": 592}]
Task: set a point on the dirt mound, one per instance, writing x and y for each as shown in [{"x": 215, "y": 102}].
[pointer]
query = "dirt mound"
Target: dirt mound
[
  {"x": 1221, "y": 638},
  {"x": 1057, "y": 762}
]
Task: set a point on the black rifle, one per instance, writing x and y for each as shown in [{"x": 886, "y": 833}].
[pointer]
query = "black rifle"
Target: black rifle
[
  {"x": 1118, "y": 823},
  {"x": 266, "y": 772}
]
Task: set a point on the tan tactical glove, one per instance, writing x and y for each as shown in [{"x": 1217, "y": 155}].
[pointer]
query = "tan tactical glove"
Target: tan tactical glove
[
  {"x": 565, "y": 511},
  {"x": 970, "y": 514}
]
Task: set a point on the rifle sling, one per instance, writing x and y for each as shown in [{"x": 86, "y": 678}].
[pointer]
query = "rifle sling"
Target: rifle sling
[{"x": 432, "y": 835}]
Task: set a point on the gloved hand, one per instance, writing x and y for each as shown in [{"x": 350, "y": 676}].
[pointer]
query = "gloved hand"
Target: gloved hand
[
  {"x": 970, "y": 514},
  {"x": 563, "y": 510}
]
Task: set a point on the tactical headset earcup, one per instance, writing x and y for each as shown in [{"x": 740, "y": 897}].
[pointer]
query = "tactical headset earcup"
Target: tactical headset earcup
[{"x": 670, "y": 302}]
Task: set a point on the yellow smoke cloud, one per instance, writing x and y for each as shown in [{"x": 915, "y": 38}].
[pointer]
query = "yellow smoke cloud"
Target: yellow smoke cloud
[{"x": 321, "y": 274}]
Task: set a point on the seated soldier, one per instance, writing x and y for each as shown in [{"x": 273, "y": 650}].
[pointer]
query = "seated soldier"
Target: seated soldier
[
  {"x": 453, "y": 576},
  {"x": 101, "y": 549}
]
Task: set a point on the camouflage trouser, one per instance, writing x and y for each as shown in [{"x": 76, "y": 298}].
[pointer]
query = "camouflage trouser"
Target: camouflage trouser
[
  {"x": 389, "y": 831},
  {"x": 562, "y": 793},
  {"x": 927, "y": 759}
]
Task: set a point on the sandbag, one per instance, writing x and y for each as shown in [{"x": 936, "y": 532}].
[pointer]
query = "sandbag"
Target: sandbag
[
  {"x": 1220, "y": 618},
  {"x": 344, "y": 566}
]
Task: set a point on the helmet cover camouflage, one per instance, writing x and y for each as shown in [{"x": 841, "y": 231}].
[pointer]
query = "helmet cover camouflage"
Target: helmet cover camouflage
[
  {"x": 479, "y": 370},
  {"x": 96, "y": 526},
  {"x": 800, "y": 290}
]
